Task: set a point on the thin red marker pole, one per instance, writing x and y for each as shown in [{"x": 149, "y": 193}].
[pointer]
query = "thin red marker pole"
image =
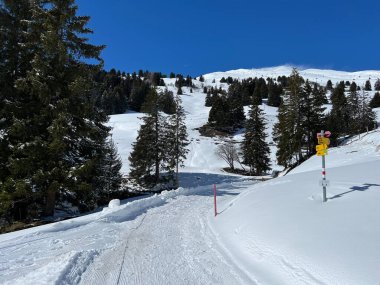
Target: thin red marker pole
[{"x": 215, "y": 200}]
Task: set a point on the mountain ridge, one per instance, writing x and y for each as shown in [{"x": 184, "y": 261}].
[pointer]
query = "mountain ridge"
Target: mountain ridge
[{"x": 312, "y": 74}]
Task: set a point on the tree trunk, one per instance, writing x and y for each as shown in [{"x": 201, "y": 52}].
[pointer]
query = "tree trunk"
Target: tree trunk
[{"x": 50, "y": 199}]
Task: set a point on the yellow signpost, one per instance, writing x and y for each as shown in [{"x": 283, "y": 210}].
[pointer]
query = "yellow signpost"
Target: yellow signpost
[
  {"x": 322, "y": 140},
  {"x": 322, "y": 152},
  {"x": 321, "y": 148}
]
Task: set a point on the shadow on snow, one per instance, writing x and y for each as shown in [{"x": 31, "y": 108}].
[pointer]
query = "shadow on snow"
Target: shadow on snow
[{"x": 365, "y": 187}]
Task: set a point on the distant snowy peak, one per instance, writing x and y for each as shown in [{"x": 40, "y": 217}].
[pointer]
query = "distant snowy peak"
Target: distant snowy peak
[{"x": 320, "y": 76}]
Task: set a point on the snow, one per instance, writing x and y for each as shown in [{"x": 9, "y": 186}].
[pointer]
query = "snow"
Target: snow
[
  {"x": 114, "y": 203},
  {"x": 280, "y": 232},
  {"x": 273, "y": 232},
  {"x": 315, "y": 75}
]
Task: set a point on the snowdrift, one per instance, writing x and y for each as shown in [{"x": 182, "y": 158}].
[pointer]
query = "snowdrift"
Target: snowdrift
[{"x": 280, "y": 232}]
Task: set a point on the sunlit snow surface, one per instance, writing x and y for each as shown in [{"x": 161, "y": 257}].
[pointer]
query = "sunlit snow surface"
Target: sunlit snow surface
[{"x": 273, "y": 232}]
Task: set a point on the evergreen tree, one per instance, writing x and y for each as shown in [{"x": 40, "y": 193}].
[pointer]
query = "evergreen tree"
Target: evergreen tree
[
  {"x": 179, "y": 92},
  {"x": 208, "y": 100},
  {"x": 377, "y": 85},
  {"x": 254, "y": 146},
  {"x": 282, "y": 135},
  {"x": 312, "y": 116},
  {"x": 288, "y": 132},
  {"x": 375, "y": 101},
  {"x": 257, "y": 99},
  {"x": 177, "y": 139},
  {"x": 59, "y": 136},
  {"x": 338, "y": 119},
  {"x": 236, "y": 112},
  {"x": 148, "y": 150},
  {"x": 319, "y": 95},
  {"x": 166, "y": 102},
  {"x": 235, "y": 102},
  {"x": 353, "y": 112},
  {"x": 109, "y": 178},
  {"x": 366, "y": 117},
  {"x": 219, "y": 113},
  {"x": 274, "y": 95},
  {"x": 329, "y": 85},
  {"x": 263, "y": 88},
  {"x": 353, "y": 87},
  {"x": 201, "y": 78},
  {"x": 368, "y": 86},
  {"x": 16, "y": 55}
]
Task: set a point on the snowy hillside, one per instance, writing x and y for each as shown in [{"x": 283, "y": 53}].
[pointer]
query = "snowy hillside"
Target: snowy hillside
[
  {"x": 280, "y": 232},
  {"x": 315, "y": 75},
  {"x": 273, "y": 232},
  {"x": 202, "y": 156}
]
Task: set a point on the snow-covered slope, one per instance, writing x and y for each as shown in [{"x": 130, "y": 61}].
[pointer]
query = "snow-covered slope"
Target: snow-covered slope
[
  {"x": 280, "y": 232},
  {"x": 275, "y": 232},
  {"x": 315, "y": 75},
  {"x": 202, "y": 156}
]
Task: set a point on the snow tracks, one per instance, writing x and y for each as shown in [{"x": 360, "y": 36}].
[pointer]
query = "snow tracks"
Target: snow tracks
[{"x": 170, "y": 244}]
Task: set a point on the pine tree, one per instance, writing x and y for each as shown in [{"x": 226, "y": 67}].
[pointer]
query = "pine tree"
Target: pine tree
[
  {"x": 375, "y": 101},
  {"x": 201, "y": 78},
  {"x": 108, "y": 181},
  {"x": 16, "y": 55},
  {"x": 312, "y": 115},
  {"x": 353, "y": 87},
  {"x": 353, "y": 112},
  {"x": 149, "y": 149},
  {"x": 59, "y": 136},
  {"x": 220, "y": 116},
  {"x": 254, "y": 146},
  {"x": 368, "y": 86},
  {"x": 177, "y": 139},
  {"x": 257, "y": 99},
  {"x": 283, "y": 135},
  {"x": 274, "y": 95},
  {"x": 319, "y": 95},
  {"x": 366, "y": 117},
  {"x": 288, "y": 132},
  {"x": 338, "y": 119},
  {"x": 377, "y": 85},
  {"x": 179, "y": 92},
  {"x": 236, "y": 112},
  {"x": 329, "y": 85},
  {"x": 166, "y": 102},
  {"x": 208, "y": 99}
]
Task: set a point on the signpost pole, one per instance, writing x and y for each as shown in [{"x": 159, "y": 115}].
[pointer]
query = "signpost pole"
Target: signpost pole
[{"x": 323, "y": 172}]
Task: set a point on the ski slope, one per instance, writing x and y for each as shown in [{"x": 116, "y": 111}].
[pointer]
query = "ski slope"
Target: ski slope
[{"x": 273, "y": 232}]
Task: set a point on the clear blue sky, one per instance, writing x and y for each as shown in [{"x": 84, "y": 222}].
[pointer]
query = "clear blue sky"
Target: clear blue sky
[{"x": 201, "y": 36}]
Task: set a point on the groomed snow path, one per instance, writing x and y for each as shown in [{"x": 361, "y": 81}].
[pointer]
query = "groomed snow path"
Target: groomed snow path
[{"x": 170, "y": 244}]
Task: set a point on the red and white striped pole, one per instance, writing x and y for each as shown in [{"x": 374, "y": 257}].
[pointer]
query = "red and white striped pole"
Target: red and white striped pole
[{"x": 215, "y": 200}]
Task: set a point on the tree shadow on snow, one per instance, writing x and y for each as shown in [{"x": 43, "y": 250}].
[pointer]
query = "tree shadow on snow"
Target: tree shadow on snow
[
  {"x": 192, "y": 180},
  {"x": 365, "y": 187}
]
